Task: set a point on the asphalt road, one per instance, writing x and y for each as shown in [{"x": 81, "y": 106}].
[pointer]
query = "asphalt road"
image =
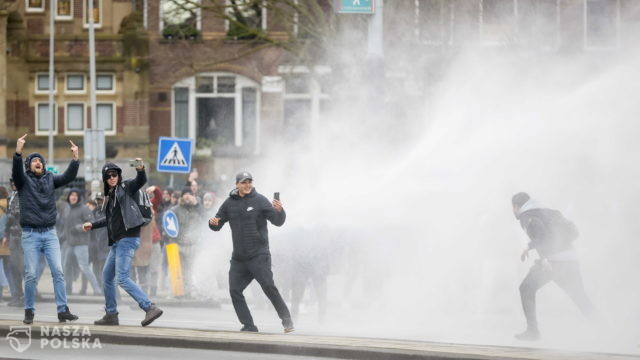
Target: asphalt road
[{"x": 110, "y": 352}]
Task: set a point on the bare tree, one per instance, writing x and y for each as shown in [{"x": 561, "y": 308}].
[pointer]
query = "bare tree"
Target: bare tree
[{"x": 304, "y": 29}]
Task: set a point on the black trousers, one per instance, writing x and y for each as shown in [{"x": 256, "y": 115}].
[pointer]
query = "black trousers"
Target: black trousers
[
  {"x": 241, "y": 274},
  {"x": 568, "y": 277}
]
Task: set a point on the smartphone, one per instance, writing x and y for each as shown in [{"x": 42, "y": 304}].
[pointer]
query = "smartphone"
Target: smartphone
[
  {"x": 135, "y": 163},
  {"x": 276, "y": 195}
]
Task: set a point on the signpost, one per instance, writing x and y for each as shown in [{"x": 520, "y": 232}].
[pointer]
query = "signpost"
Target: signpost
[
  {"x": 356, "y": 6},
  {"x": 171, "y": 224},
  {"x": 174, "y": 155}
]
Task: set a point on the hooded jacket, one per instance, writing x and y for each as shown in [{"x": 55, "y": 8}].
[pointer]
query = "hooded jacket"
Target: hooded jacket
[
  {"x": 37, "y": 197},
  {"x": 122, "y": 199},
  {"x": 76, "y": 215},
  {"x": 189, "y": 218},
  {"x": 539, "y": 224},
  {"x": 248, "y": 217},
  {"x": 14, "y": 231}
]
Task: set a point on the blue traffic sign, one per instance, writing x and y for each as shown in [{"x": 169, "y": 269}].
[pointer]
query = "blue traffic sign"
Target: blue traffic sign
[
  {"x": 170, "y": 224},
  {"x": 356, "y": 6},
  {"x": 174, "y": 155}
]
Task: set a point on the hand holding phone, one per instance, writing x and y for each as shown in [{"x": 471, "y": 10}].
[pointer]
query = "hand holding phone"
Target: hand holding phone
[{"x": 276, "y": 196}]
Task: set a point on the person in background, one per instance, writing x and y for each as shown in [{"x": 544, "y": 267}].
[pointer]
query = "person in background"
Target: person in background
[
  {"x": 13, "y": 239},
  {"x": 189, "y": 213},
  {"x": 78, "y": 240},
  {"x": 5, "y": 251},
  {"x": 99, "y": 241}
]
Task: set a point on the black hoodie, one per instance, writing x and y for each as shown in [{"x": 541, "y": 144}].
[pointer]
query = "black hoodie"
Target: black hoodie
[
  {"x": 248, "y": 217},
  {"x": 37, "y": 196}
]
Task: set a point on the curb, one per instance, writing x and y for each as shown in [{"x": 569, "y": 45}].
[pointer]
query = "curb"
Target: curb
[{"x": 303, "y": 345}]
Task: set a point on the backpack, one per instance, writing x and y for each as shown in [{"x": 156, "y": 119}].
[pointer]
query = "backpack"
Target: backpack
[{"x": 144, "y": 204}]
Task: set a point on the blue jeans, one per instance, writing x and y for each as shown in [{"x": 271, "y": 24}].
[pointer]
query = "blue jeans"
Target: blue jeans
[
  {"x": 34, "y": 244},
  {"x": 116, "y": 268},
  {"x": 81, "y": 253}
]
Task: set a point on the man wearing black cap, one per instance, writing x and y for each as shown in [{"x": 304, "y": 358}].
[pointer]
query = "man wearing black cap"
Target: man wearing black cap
[
  {"x": 123, "y": 220},
  {"x": 551, "y": 235},
  {"x": 247, "y": 212},
  {"x": 38, "y": 212}
]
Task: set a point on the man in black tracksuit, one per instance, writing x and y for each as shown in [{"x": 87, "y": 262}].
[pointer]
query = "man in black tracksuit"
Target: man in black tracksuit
[
  {"x": 247, "y": 212},
  {"x": 551, "y": 235}
]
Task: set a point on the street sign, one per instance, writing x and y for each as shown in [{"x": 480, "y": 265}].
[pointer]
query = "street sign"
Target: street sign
[
  {"x": 356, "y": 6},
  {"x": 52, "y": 169},
  {"x": 171, "y": 224},
  {"x": 174, "y": 155}
]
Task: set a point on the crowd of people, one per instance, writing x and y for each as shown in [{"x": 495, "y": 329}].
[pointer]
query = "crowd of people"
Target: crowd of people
[
  {"x": 83, "y": 254},
  {"x": 115, "y": 238}
]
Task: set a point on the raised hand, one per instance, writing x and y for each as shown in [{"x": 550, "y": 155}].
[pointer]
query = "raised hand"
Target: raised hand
[
  {"x": 74, "y": 150},
  {"x": 20, "y": 144}
]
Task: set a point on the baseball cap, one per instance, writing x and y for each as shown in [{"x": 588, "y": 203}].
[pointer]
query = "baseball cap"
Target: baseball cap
[
  {"x": 242, "y": 176},
  {"x": 99, "y": 195}
]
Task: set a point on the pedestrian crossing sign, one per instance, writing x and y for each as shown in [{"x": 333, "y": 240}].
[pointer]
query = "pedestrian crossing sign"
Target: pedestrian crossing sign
[{"x": 174, "y": 155}]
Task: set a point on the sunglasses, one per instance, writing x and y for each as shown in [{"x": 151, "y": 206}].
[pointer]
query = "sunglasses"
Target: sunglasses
[{"x": 112, "y": 175}]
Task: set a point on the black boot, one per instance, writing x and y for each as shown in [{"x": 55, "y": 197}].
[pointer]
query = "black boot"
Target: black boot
[
  {"x": 28, "y": 316},
  {"x": 250, "y": 328},
  {"x": 108, "y": 319},
  {"x": 153, "y": 313},
  {"x": 66, "y": 315}
]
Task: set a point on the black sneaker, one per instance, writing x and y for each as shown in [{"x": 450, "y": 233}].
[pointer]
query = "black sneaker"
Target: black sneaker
[
  {"x": 529, "y": 335},
  {"x": 108, "y": 319},
  {"x": 249, "y": 328},
  {"x": 28, "y": 316},
  {"x": 288, "y": 326},
  {"x": 153, "y": 313},
  {"x": 66, "y": 315}
]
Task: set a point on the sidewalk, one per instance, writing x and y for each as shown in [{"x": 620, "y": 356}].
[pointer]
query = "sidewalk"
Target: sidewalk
[{"x": 303, "y": 345}]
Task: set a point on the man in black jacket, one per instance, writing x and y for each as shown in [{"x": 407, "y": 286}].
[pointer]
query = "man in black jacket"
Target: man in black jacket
[
  {"x": 247, "y": 212},
  {"x": 551, "y": 235},
  {"x": 123, "y": 220},
  {"x": 37, "y": 218}
]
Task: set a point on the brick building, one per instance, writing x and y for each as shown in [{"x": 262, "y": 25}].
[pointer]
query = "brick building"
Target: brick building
[{"x": 187, "y": 73}]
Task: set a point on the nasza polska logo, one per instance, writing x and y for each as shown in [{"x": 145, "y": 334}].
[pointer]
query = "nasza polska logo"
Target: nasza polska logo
[
  {"x": 19, "y": 337},
  {"x": 54, "y": 337}
]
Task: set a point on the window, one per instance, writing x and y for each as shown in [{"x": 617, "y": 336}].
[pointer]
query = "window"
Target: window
[
  {"x": 64, "y": 9},
  {"x": 431, "y": 17},
  {"x": 35, "y": 5},
  {"x": 105, "y": 114},
  {"x": 219, "y": 110},
  {"x": 97, "y": 13},
  {"x": 246, "y": 18},
  {"x": 304, "y": 101},
  {"x": 42, "y": 83},
  {"x": 105, "y": 83},
  {"x": 180, "y": 19},
  {"x": 181, "y": 111},
  {"x": 75, "y": 118},
  {"x": 43, "y": 120},
  {"x": 75, "y": 84},
  {"x": 601, "y": 23},
  {"x": 497, "y": 20},
  {"x": 538, "y": 24}
]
